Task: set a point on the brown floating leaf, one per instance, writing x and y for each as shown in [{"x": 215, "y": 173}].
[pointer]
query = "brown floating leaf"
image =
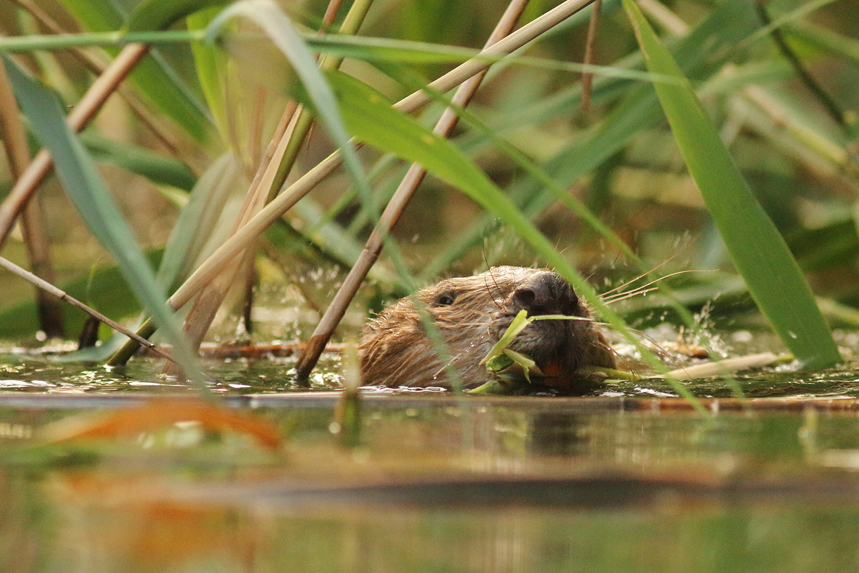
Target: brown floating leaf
[{"x": 158, "y": 414}]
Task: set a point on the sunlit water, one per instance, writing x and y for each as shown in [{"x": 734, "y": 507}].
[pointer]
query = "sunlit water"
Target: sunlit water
[{"x": 46, "y": 371}]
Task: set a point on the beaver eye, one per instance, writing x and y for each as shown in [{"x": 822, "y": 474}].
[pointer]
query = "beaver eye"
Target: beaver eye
[{"x": 445, "y": 299}]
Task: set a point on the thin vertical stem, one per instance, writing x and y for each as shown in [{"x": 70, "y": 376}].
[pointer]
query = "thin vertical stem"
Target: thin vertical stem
[
  {"x": 81, "y": 115},
  {"x": 588, "y": 77},
  {"x": 32, "y": 221}
]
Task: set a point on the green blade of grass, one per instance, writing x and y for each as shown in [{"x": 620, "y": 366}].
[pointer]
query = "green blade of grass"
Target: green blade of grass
[
  {"x": 157, "y": 168},
  {"x": 758, "y": 250},
  {"x": 85, "y": 188},
  {"x": 212, "y": 65}
]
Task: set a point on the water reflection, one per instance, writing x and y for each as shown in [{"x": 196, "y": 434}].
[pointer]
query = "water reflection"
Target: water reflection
[
  {"x": 438, "y": 483},
  {"x": 68, "y": 521}
]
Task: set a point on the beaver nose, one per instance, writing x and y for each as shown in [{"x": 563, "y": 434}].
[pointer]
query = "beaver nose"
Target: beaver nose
[{"x": 546, "y": 293}]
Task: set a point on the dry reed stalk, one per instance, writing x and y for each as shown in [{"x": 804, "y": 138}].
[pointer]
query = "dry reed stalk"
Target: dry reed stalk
[
  {"x": 63, "y": 296},
  {"x": 32, "y": 221},
  {"x": 281, "y": 154},
  {"x": 79, "y": 118},
  {"x": 588, "y": 77},
  {"x": 211, "y": 298},
  {"x": 413, "y": 178}
]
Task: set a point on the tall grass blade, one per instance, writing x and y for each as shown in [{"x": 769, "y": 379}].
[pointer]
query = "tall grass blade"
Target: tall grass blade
[
  {"x": 755, "y": 245},
  {"x": 204, "y": 220},
  {"x": 212, "y": 66}
]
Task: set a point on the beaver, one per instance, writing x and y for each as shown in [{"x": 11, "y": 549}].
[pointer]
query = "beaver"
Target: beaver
[{"x": 471, "y": 314}]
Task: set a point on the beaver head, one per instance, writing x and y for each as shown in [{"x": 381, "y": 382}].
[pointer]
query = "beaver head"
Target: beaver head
[{"x": 471, "y": 314}]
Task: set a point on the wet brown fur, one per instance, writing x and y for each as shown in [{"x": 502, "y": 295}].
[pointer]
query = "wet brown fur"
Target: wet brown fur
[{"x": 471, "y": 314}]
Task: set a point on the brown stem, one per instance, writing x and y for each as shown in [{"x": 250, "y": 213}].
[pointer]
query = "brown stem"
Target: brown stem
[
  {"x": 280, "y": 156},
  {"x": 588, "y": 77},
  {"x": 394, "y": 210},
  {"x": 54, "y": 291},
  {"x": 32, "y": 222},
  {"x": 79, "y": 118}
]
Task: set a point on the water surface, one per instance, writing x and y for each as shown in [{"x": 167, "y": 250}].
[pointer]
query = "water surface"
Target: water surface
[{"x": 627, "y": 479}]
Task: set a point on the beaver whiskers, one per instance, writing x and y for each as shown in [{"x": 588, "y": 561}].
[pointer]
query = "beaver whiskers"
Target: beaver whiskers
[{"x": 471, "y": 314}]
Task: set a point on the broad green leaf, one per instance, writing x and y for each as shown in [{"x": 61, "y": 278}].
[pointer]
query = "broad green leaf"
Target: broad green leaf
[
  {"x": 758, "y": 250},
  {"x": 85, "y": 188},
  {"x": 157, "y": 168},
  {"x": 211, "y": 63},
  {"x": 153, "y": 77}
]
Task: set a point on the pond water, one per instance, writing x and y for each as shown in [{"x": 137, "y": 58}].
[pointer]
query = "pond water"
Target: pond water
[{"x": 629, "y": 478}]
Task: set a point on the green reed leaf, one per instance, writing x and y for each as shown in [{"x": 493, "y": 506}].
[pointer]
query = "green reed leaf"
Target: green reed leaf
[
  {"x": 758, "y": 250},
  {"x": 155, "y": 167},
  {"x": 212, "y": 65}
]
